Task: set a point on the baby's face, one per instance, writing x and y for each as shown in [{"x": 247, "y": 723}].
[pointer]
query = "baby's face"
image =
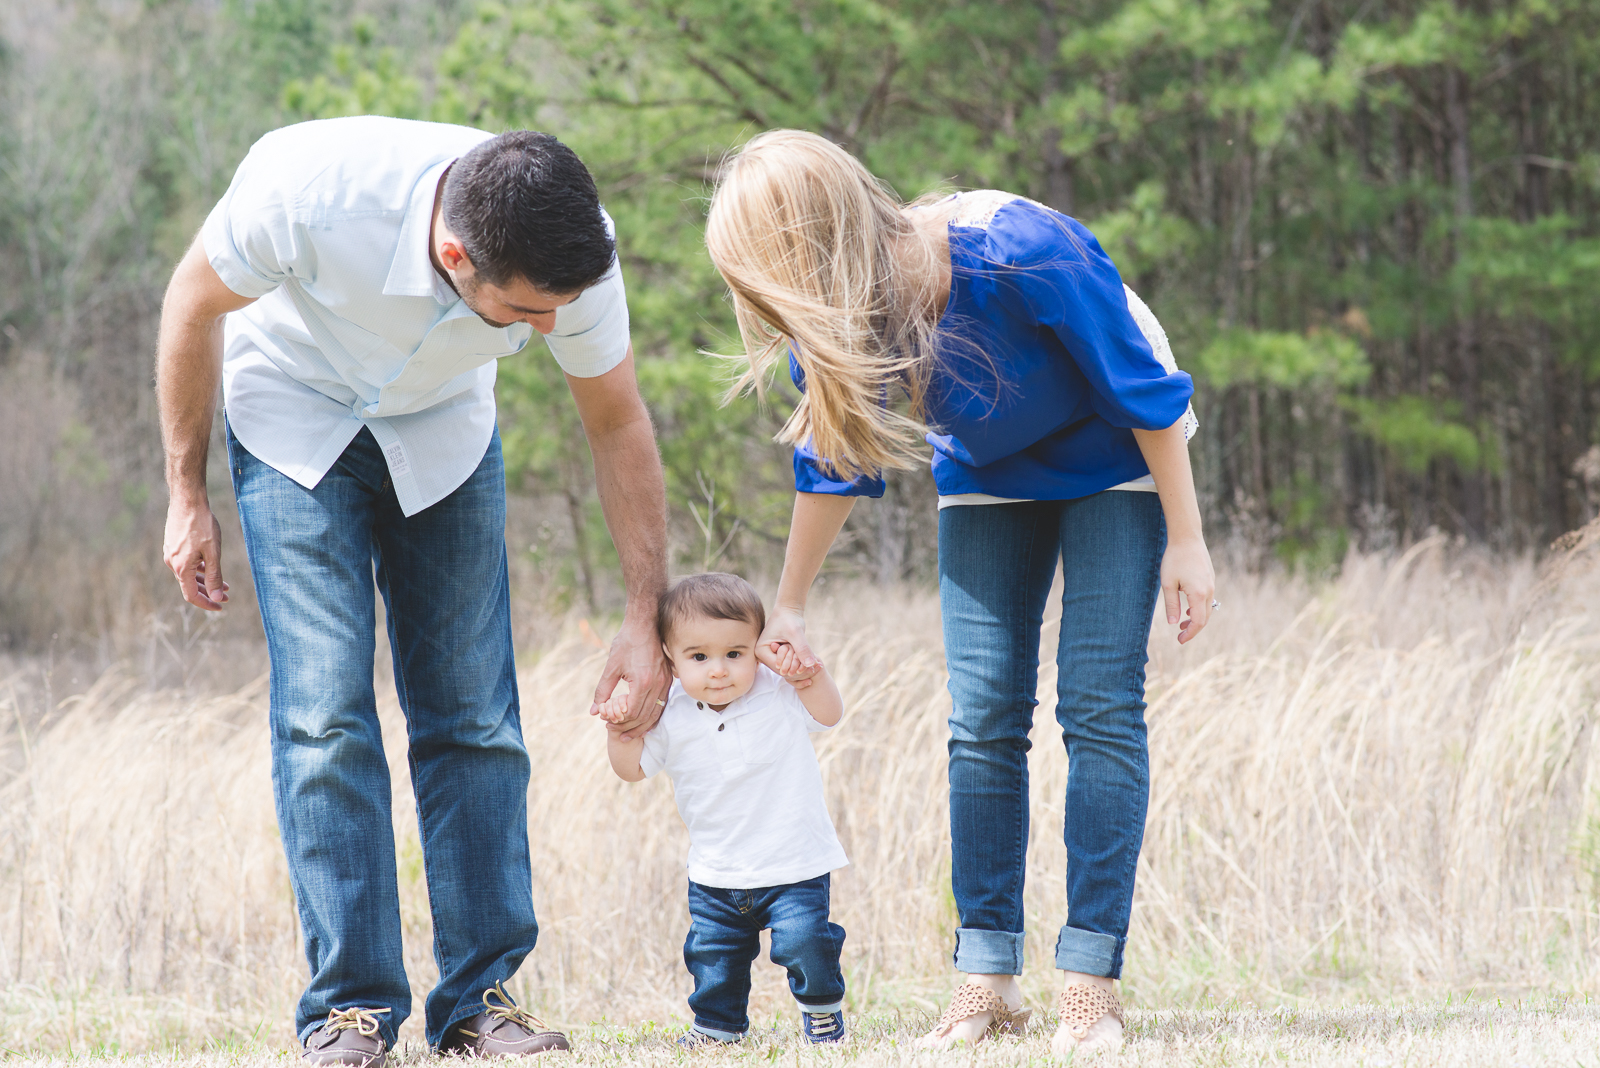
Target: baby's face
[{"x": 715, "y": 659}]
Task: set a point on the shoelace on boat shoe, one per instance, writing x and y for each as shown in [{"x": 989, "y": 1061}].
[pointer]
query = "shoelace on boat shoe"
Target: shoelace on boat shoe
[
  {"x": 507, "y": 1010},
  {"x": 363, "y": 1022}
]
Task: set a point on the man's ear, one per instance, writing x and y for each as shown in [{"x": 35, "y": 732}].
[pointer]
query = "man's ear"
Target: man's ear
[{"x": 452, "y": 255}]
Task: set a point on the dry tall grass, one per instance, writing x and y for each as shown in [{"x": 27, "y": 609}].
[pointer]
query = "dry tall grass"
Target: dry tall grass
[{"x": 1382, "y": 786}]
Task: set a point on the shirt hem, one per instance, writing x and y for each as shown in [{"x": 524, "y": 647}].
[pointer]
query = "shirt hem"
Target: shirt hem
[
  {"x": 956, "y": 500},
  {"x": 762, "y": 879}
]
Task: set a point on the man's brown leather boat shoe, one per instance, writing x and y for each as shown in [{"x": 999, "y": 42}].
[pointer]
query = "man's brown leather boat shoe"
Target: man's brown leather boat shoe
[
  {"x": 350, "y": 1036},
  {"x": 502, "y": 1030}
]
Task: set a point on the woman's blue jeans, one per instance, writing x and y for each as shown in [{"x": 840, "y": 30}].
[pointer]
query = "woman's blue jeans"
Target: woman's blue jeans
[
  {"x": 314, "y": 555},
  {"x": 996, "y": 565}
]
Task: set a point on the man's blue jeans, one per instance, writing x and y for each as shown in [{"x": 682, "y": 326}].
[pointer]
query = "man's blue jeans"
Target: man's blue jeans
[
  {"x": 725, "y": 938},
  {"x": 996, "y": 564},
  {"x": 314, "y": 555}
]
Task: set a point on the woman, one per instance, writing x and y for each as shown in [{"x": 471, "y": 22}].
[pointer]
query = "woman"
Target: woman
[{"x": 1057, "y": 434}]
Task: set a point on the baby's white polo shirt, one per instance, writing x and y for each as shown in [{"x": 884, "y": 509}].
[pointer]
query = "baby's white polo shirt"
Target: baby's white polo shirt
[{"x": 747, "y": 785}]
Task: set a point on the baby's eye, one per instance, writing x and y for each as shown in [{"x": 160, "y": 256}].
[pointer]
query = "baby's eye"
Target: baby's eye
[
  {"x": 733, "y": 654},
  {"x": 698, "y": 657}
]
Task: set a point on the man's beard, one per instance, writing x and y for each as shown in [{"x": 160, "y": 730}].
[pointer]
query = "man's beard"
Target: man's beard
[{"x": 468, "y": 289}]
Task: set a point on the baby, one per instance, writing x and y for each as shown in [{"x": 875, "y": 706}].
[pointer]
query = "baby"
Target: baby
[{"x": 733, "y": 739}]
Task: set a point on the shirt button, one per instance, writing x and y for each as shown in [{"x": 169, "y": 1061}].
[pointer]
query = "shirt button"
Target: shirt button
[
  {"x": 699, "y": 704},
  {"x": 721, "y": 725}
]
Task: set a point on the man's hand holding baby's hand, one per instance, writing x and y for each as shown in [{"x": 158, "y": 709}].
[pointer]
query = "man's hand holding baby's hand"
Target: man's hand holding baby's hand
[
  {"x": 614, "y": 710},
  {"x": 786, "y": 662}
]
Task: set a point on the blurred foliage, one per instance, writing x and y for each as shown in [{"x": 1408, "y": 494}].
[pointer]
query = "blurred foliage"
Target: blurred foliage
[
  {"x": 1288, "y": 361},
  {"x": 1363, "y": 224},
  {"x": 1369, "y": 226},
  {"x": 1418, "y": 432}
]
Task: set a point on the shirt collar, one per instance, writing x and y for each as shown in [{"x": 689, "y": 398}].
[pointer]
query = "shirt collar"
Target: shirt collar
[
  {"x": 754, "y": 700},
  {"x": 411, "y": 272}
]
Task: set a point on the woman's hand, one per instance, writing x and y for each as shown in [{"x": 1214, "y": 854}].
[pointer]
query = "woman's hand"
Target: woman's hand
[
  {"x": 784, "y": 649},
  {"x": 1186, "y": 569},
  {"x": 791, "y": 667}
]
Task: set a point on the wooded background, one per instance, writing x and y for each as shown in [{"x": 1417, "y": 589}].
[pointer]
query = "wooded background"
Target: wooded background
[{"x": 1367, "y": 225}]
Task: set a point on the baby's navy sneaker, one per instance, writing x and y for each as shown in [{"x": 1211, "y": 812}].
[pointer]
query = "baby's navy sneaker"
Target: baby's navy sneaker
[
  {"x": 822, "y": 1026},
  {"x": 694, "y": 1038}
]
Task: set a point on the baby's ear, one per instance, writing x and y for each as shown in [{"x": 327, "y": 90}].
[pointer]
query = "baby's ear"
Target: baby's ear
[{"x": 670, "y": 665}]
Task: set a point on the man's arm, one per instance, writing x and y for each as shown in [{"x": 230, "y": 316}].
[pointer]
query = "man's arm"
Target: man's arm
[
  {"x": 633, "y": 495},
  {"x": 188, "y": 369}
]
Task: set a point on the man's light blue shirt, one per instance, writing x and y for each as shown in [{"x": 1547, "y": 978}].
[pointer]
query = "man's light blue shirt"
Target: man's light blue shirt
[{"x": 327, "y": 223}]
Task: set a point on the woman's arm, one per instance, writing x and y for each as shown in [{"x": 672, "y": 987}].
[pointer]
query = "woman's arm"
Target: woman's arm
[
  {"x": 1186, "y": 566},
  {"x": 816, "y": 523}
]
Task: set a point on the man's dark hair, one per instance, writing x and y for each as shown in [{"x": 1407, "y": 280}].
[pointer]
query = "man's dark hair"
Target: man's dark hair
[
  {"x": 525, "y": 206},
  {"x": 714, "y": 595}
]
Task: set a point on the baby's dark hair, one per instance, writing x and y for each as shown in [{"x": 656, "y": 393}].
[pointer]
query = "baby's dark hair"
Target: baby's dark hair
[{"x": 713, "y": 595}]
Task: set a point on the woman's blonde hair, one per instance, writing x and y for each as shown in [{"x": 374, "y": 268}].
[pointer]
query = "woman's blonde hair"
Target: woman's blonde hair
[{"x": 820, "y": 256}]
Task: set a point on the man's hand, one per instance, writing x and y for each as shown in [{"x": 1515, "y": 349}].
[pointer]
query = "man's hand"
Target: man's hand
[
  {"x": 614, "y": 710},
  {"x": 192, "y": 548},
  {"x": 188, "y": 369},
  {"x": 636, "y": 657}
]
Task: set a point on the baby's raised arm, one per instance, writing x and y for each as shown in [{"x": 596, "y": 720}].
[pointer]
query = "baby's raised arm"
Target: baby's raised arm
[
  {"x": 819, "y": 694},
  {"x": 624, "y": 755}
]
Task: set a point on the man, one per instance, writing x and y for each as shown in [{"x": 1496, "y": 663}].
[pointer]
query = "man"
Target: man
[{"x": 352, "y": 290}]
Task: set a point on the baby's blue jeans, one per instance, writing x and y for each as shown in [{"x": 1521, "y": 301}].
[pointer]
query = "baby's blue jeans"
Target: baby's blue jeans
[{"x": 725, "y": 938}]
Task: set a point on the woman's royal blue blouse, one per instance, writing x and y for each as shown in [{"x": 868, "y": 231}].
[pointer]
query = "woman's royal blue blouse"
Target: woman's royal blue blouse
[{"x": 1042, "y": 372}]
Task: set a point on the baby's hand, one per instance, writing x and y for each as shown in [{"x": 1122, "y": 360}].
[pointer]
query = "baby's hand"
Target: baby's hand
[
  {"x": 614, "y": 710},
  {"x": 787, "y": 663}
]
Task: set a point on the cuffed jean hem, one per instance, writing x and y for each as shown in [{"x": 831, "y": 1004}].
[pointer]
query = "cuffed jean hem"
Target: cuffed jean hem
[
  {"x": 1089, "y": 952},
  {"x": 836, "y": 1005},
  {"x": 981, "y": 952},
  {"x": 717, "y": 1033}
]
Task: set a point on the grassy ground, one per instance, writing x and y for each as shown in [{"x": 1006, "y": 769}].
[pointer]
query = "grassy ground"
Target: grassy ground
[
  {"x": 1453, "y": 1034},
  {"x": 1367, "y": 792}
]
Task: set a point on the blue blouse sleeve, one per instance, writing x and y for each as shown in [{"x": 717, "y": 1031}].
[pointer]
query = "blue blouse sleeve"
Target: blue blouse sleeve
[
  {"x": 812, "y": 476},
  {"x": 1060, "y": 278}
]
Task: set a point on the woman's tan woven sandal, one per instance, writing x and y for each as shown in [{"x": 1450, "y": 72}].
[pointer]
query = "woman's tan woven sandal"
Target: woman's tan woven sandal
[
  {"x": 969, "y": 1000},
  {"x": 1083, "y": 1005}
]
